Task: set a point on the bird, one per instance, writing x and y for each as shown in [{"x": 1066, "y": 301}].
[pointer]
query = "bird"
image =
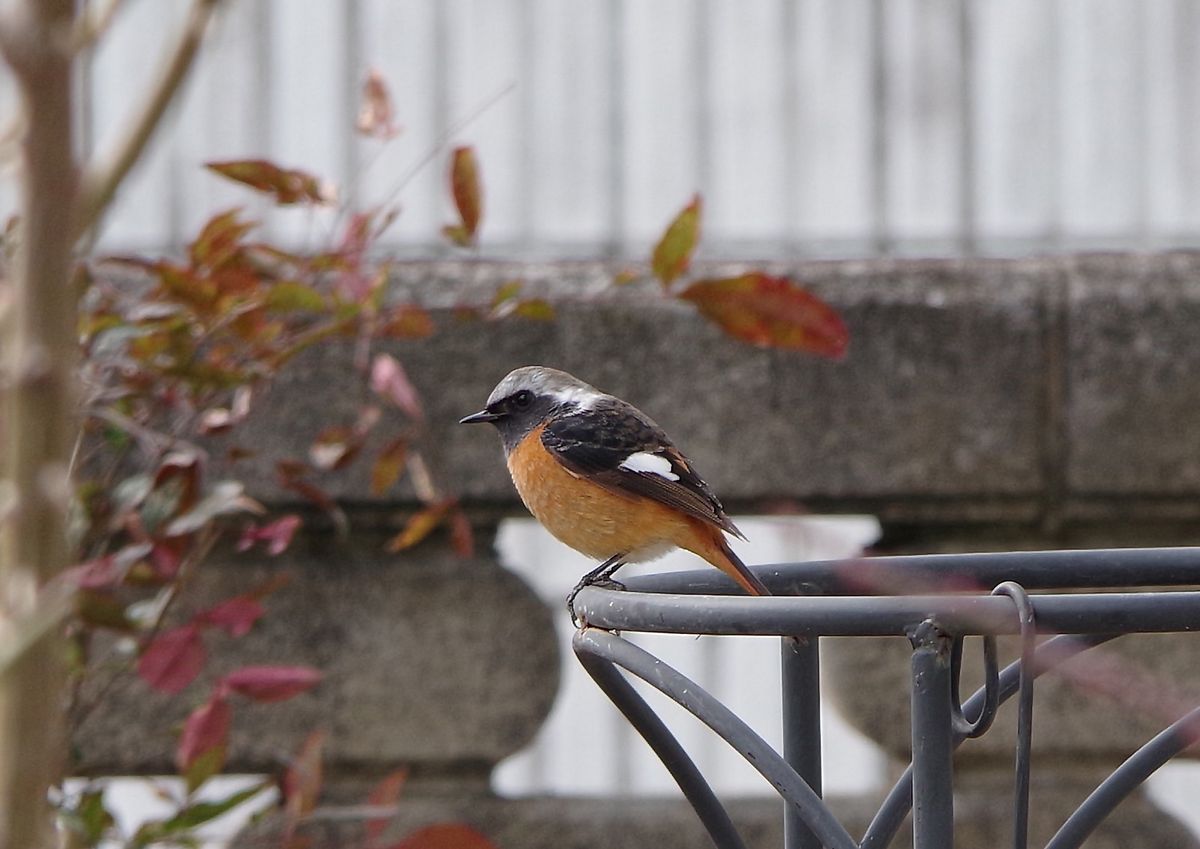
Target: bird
[{"x": 604, "y": 479}]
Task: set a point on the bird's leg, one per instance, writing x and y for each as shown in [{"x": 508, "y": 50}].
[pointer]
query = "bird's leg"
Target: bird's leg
[{"x": 602, "y": 574}]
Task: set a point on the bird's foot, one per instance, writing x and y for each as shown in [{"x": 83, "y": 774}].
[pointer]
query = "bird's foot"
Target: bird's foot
[{"x": 601, "y": 581}]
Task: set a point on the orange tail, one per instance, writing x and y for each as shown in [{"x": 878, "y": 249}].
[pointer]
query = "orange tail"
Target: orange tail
[{"x": 722, "y": 556}]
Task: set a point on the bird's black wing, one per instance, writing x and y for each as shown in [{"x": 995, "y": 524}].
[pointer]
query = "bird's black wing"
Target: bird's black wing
[{"x": 598, "y": 442}]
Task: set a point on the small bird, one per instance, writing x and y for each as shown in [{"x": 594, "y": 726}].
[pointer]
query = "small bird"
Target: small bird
[{"x": 603, "y": 478}]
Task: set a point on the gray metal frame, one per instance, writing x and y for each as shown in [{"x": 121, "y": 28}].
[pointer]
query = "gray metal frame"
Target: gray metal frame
[{"x": 834, "y": 598}]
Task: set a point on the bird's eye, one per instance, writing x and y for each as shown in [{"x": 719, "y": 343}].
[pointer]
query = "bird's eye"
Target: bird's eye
[{"x": 522, "y": 399}]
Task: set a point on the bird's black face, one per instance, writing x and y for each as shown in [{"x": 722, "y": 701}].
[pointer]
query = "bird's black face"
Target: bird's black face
[{"x": 515, "y": 415}]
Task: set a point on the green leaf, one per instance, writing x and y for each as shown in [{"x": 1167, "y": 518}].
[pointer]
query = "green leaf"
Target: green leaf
[
  {"x": 290, "y": 296},
  {"x": 673, "y": 253},
  {"x": 193, "y": 815},
  {"x": 88, "y": 819},
  {"x": 507, "y": 292},
  {"x": 535, "y": 309}
]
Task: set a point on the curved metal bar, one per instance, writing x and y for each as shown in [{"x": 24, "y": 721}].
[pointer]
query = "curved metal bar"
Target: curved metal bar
[
  {"x": 1024, "y": 711},
  {"x": 978, "y": 726},
  {"x": 898, "y": 802},
  {"x": 683, "y": 769},
  {"x": 720, "y": 719},
  {"x": 1034, "y": 570},
  {"x": 881, "y": 616},
  {"x": 1181, "y": 734}
]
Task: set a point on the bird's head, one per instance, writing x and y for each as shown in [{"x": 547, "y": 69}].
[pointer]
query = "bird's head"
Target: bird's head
[{"x": 529, "y": 396}]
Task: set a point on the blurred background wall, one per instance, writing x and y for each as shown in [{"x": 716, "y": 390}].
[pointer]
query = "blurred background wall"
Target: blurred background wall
[{"x": 812, "y": 127}]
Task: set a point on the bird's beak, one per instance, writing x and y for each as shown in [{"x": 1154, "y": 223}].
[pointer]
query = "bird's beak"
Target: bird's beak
[{"x": 481, "y": 416}]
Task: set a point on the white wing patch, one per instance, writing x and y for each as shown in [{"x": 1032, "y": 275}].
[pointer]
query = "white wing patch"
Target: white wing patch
[{"x": 651, "y": 464}]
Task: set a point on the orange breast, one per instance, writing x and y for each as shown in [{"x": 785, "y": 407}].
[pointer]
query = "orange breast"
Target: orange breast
[{"x": 592, "y": 519}]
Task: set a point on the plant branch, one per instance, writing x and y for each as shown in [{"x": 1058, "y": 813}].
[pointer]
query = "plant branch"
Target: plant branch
[
  {"x": 92, "y": 24},
  {"x": 40, "y": 353},
  {"x": 100, "y": 181}
]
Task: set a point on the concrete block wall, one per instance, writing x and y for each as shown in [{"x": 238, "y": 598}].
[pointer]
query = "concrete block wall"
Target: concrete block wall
[{"x": 983, "y": 404}]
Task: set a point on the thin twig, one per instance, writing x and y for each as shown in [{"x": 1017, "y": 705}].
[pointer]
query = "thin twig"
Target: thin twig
[
  {"x": 91, "y": 25},
  {"x": 100, "y": 182}
]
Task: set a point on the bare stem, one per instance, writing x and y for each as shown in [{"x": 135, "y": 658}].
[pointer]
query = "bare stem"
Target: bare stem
[
  {"x": 39, "y": 339},
  {"x": 101, "y": 180}
]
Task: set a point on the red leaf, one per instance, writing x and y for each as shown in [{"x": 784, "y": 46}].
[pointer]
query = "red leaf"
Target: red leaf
[
  {"x": 206, "y": 728},
  {"x": 388, "y": 466},
  {"x": 771, "y": 312},
  {"x": 277, "y": 535},
  {"x": 272, "y": 683},
  {"x": 384, "y": 794},
  {"x": 390, "y": 381},
  {"x": 236, "y": 615},
  {"x": 287, "y": 185},
  {"x": 446, "y": 835},
  {"x": 419, "y": 526},
  {"x": 166, "y": 557},
  {"x": 173, "y": 659},
  {"x": 376, "y": 116},
  {"x": 97, "y": 574},
  {"x": 301, "y": 783},
  {"x": 468, "y": 196},
  {"x": 673, "y": 253}
]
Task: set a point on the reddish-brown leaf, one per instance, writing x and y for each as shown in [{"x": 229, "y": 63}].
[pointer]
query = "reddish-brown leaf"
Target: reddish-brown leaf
[
  {"x": 236, "y": 615},
  {"x": 446, "y": 835},
  {"x": 301, "y": 785},
  {"x": 468, "y": 196},
  {"x": 419, "y": 526},
  {"x": 272, "y": 683},
  {"x": 376, "y": 115},
  {"x": 173, "y": 659},
  {"x": 290, "y": 474},
  {"x": 220, "y": 419},
  {"x": 384, "y": 795},
  {"x": 462, "y": 537},
  {"x": 673, "y": 253},
  {"x": 220, "y": 239},
  {"x": 771, "y": 312},
  {"x": 407, "y": 322},
  {"x": 286, "y": 185},
  {"x": 205, "y": 730},
  {"x": 390, "y": 381},
  {"x": 277, "y": 535},
  {"x": 334, "y": 448},
  {"x": 388, "y": 466}
]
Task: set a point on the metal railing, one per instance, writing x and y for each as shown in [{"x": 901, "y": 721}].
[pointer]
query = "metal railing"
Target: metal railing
[{"x": 836, "y": 598}]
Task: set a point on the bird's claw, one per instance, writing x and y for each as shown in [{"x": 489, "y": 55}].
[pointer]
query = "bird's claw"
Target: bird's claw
[{"x": 602, "y": 582}]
